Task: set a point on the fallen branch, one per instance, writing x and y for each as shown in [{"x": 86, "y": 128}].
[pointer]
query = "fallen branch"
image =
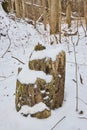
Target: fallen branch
[
  {"x": 72, "y": 16},
  {"x": 70, "y": 34},
  {"x": 4, "y": 77},
  {"x": 82, "y": 118},
  {"x": 58, "y": 122},
  {"x": 18, "y": 60}
]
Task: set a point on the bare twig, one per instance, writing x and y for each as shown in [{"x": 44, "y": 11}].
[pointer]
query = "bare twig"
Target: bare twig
[
  {"x": 40, "y": 17},
  {"x": 7, "y": 48},
  {"x": 56, "y": 38},
  {"x": 67, "y": 41},
  {"x": 83, "y": 29},
  {"x": 82, "y": 101},
  {"x": 77, "y": 38},
  {"x": 81, "y": 79},
  {"x": 74, "y": 81},
  {"x": 76, "y": 73},
  {"x": 18, "y": 60},
  {"x": 77, "y": 63},
  {"x": 58, "y": 122},
  {"x": 77, "y": 34},
  {"x": 9, "y": 42},
  {"x": 31, "y": 55}
]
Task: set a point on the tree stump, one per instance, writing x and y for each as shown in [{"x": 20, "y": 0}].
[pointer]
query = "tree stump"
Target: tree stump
[{"x": 49, "y": 92}]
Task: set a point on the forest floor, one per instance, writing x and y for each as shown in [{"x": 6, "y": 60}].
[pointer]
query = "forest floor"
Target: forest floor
[{"x": 18, "y": 39}]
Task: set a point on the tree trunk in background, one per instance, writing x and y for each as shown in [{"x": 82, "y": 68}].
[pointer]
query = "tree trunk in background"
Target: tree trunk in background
[
  {"x": 23, "y": 7},
  {"x": 60, "y": 20},
  {"x": 54, "y": 16},
  {"x": 17, "y": 3},
  {"x": 85, "y": 12},
  {"x": 44, "y": 11},
  {"x": 12, "y": 6},
  {"x": 33, "y": 13},
  {"x": 68, "y": 14}
]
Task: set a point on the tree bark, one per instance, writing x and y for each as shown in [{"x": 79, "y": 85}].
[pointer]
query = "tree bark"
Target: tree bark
[
  {"x": 17, "y": 8},
  {"x": 54, "y": 16},
  {"x": 68, "y": 14},
  {"x": 85, "y": 12},
  {"x": 23, "y": 7},
  {"x": 44, "y": 11}
]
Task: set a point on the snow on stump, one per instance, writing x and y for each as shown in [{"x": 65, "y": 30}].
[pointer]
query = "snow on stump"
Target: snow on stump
[
  {"x": 43, "y": 114},
  {"x": 42, "y": 81},
  {"x": 39, "y": 110}
]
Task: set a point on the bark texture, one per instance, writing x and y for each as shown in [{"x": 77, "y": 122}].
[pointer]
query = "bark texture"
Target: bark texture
[
  {"x": 85, "y": 12},
  {"x": 54, "y": 16},
  {"x": 68, "y": 13}
]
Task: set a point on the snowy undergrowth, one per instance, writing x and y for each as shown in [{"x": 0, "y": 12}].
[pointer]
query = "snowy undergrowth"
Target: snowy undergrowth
[{"x": 17, "y": 39}]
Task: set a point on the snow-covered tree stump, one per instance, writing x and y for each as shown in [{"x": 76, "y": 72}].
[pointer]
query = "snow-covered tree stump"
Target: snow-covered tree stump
[{"x": 42, "y": 81}]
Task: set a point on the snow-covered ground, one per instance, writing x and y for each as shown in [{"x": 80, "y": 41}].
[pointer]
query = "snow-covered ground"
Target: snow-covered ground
[{"x": 17, "y": 39}]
